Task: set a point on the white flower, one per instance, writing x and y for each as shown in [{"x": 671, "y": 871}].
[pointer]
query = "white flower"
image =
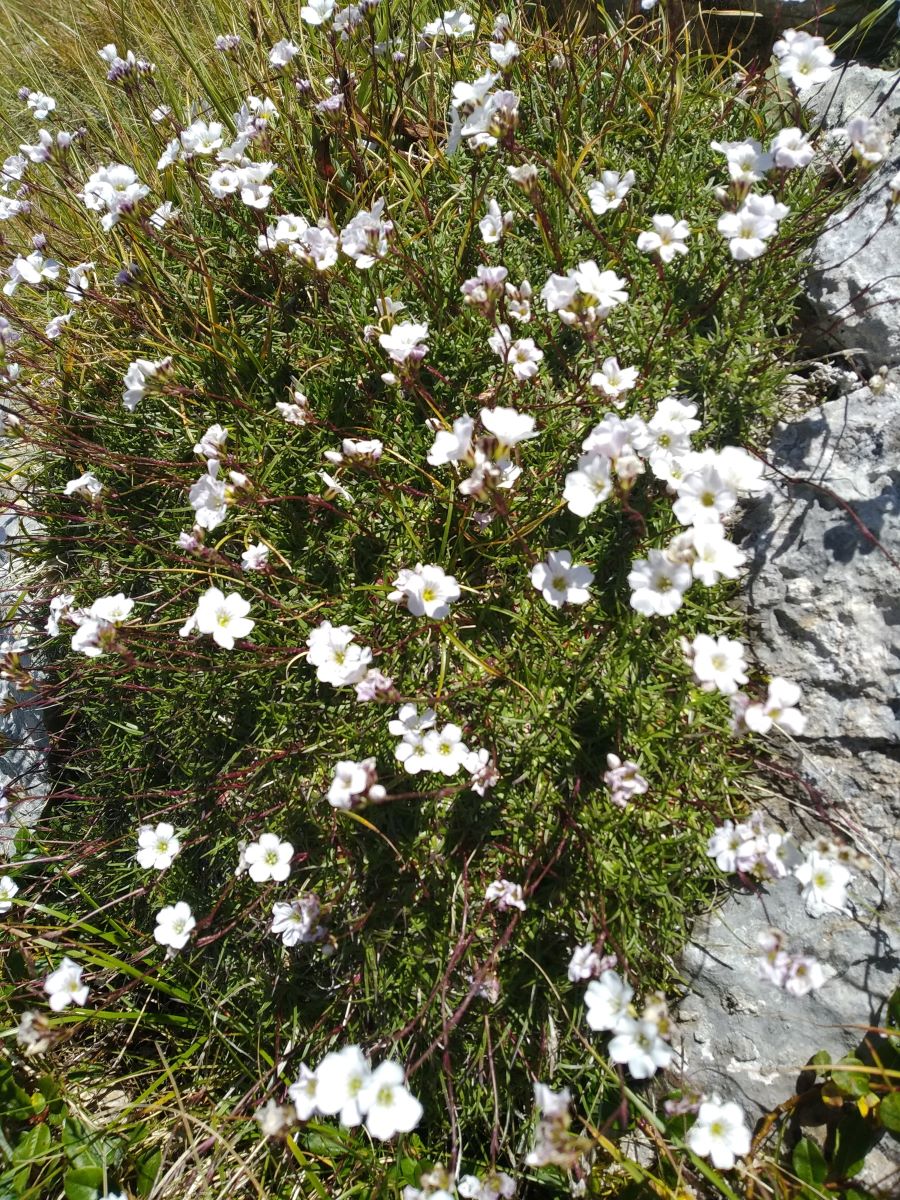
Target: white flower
[
  {"x": 559, "y": 582},
  {"x": 503, "y": 53},
  {"x": 138, "y": 377},
  {"x": 335, "y": 655},
  {"x": 282, "y": 52},
  {"x": 638, "y": 1045},
  {"x": 747, "y": 230},
  {"x": 341, "y": 1077},
  {"x": 702, "y": 497},
  {"x": 303, "y": 1092},
  {"x": 522, "y": 355},
  {"x": 212, "y": 443},
  {"x": 91, "y": 638},
  {"x": 444, "y": 750},
  {"x": 779, "y": 709},
  {"x": 791, "y": 148},
  {"x": 87, "y": 485},
  {"x": 41, "y": 105},
  {"x": 113, "y": 191},
  {"x": 174, "y": 924},
  {"x": 495, "y": 223},
  {"x": 589, "y": 485},
  {"x": 33, "y": 270},
  {"x": 824, "y": 885},
  {"x": 584, "y": 963},
  {"x": 354, "y": 781},
  {"x": 624, "y": 780},
  {"x": 718, "y": 663},
  {"x": 389, "y": 1106},
  {"x": 666, "y": 239},
  {"x": 111, "y": 609},
  {"x": 298, "y": 922},
  {"x": 426, "y": 591},
  {"x": 508, "y": 426},
  {"x": 608, "y": 999},
  {"x": 8, "y": 889},
  {"x": 483, "y": 771},
  {"x": 450, "y": 446},
  {"x": 609, "y": 191},
  {"x": 803, "y": 59},
  {"x": 157, "y": 846},
  {"x": 505, "y": 894},
  {"x": 64, "y": 986},
  {"x": 209, "y": 497},
  {"x": 255, "y": 557},
  {"x": 804, "y": 974},
  {"x": 56, "y": 325},
  {"x": 871, "y": 143},
  {"x": 406, "y": 340},
  {"x": 658, "y": 585},
  {"x": 317, "y": 12},
  {"x": 410, "y": 727},
  {"x": 365, "y": 238},
  {"x": 719, "y": 1133},
  {"x": 269, "y": 858},
  {"x": 747, "y": 161},
  {"x": 455, "y": 23},
  {"x": 225, "y": 617},
  {"x": 715, "y": 557},
  {"x": 614, "y": 380}
]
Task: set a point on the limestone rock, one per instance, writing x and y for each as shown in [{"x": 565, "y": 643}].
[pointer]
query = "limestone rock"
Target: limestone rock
[
  {"x": 23, "y": 741},
  {"x": 824, "y": 603},
  {"x": 854, "y": 275}
]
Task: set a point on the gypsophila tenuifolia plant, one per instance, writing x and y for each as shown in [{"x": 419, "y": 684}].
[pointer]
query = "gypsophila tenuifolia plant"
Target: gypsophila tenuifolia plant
[{"x": 382, "y": 385}]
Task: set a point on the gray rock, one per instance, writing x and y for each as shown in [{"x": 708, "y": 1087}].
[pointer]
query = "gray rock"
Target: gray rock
[
  {"x": 824, "y": 603},
  {"x": 24, "y": 784},
  {"x": 854, "y": 275}
]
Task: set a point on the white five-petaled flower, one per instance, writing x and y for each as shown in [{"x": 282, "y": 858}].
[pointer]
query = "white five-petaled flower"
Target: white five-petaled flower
[
  {"x": 637, "y": 1045},
  {"x": 427, "y": 591},
  {"x": 174, "y": 925},
  {"x": 389, "y": 1105},
  {"x": 657, "y": 584},
  {"x": 609, "y": 191},
  {"x": 608, "y": 1001},
  {"x": 269, "y": 858},
  {"x": 824, "y": 884},
  {"x": 298, "y": 922},
  {"x": 791, "y": 149},
  {"x": 64, "y": 987},
  {"x": 718, "y": 663},
  {"x": 353, "y": 782},
  {"x": 779, "y": 709},
  {"x": 341, "y": 1077},
  {"x": 719, "y": 1133},
  {"x": 336, "y": 656},
  {"x": 614, "y": 380},
  {"x": 317, "y": 12},
  {"x": 560, "y": 582},
  {"x": 803, "y": 59},
  {"x": 505, "y": 894},
  {"x": 224, "y": 617},
  {"x": 157, "y": 846},
  {"x": 667, "y": 238},
  {"x": 521, "y": 354}
]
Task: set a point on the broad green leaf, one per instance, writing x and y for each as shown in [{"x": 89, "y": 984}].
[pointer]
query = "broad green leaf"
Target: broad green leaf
[
  {"x": 809, "y": 1162},
  {"x": 83, "y": 1183}
]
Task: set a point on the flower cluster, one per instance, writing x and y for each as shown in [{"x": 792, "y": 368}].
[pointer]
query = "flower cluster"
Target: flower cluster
[
  {"x": 346, "y": 1086},
  {"x": 639, "y": 1041}
]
